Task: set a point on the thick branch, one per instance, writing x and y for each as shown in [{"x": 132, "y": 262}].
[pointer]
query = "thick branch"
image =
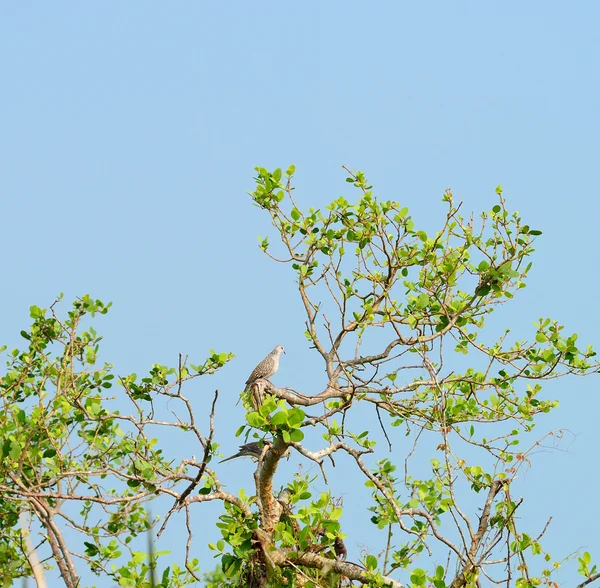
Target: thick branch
[
  {"x": 288, "y": 558},
  {"x": 225, "y": 497},
  {"x": 270, "y": 508}
]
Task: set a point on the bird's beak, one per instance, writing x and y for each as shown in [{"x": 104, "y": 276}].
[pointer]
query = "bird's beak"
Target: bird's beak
[{"x": 284, "y": 351}]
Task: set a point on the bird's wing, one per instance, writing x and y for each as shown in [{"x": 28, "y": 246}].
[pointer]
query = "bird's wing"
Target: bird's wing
[{"x": 258, "y": 371}]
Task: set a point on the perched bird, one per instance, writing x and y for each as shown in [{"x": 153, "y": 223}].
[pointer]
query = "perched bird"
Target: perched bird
[
  {"x": 267, "y": 367},
  {"x": 252, "y": 449},
  {"x": 263, "y": 371}
]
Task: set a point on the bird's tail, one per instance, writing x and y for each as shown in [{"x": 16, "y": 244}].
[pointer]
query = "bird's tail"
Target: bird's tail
[{"x": 230, "y": 458}]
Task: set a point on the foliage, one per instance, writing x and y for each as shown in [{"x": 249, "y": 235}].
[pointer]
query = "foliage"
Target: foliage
[
  {"x": 385, "y": 304},
  {"x": 69, "y": 459}
]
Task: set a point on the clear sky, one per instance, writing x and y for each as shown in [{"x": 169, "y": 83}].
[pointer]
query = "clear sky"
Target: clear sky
[{"x": 129, "y": 133}]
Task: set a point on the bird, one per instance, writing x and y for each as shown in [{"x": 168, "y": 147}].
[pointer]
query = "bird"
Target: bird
[
  {"x": 253, "y": 449},
  {"x": 263, "y": 371},
  {"x": 267, "y": 367}
]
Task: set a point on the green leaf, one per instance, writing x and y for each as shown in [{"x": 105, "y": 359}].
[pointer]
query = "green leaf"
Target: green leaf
[
  {"x": 295, "y": 417},
  {"x": 418, "y": 577},
  {"x": 15, "y": 449},
  {"x": 296, "y": 435},
  {"x": 335, "y": 514},
  {"x": 371, "y": 562},
  {"x": 422, "y": 301},
  {"x": 91, "y": 550},
  {"x": 229, "y": 565},
  {"x": 295, "y": 214},
  {"x": 279, "y": 418},
  {"x": 255, "y": 420},
  {"x": 483, "y": 290}
]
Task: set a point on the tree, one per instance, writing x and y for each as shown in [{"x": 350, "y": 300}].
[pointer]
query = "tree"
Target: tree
[{"x": 385, "y": 305}]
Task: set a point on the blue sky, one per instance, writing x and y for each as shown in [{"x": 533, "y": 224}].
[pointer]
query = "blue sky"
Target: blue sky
[{"x": 129, "y": 134}]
